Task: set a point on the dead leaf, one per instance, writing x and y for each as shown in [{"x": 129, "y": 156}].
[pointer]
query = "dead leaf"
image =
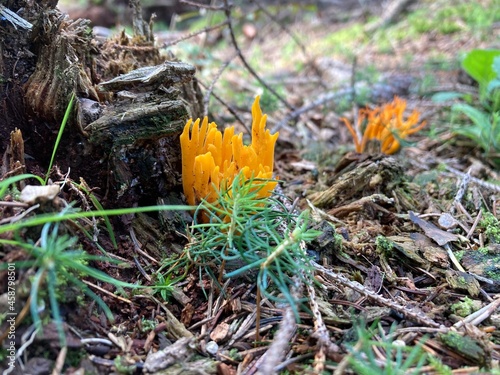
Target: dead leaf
[{"x": 440, "y": 236}]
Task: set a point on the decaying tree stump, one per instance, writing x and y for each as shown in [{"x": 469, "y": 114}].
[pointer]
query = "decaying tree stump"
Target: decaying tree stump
[{"x": 130, "y": 102}]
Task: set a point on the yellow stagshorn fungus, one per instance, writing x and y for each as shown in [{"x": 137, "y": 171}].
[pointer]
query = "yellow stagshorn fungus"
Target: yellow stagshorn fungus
[
  {"x": 384, "y": 124},
  {"x": 211, "y": 159}
]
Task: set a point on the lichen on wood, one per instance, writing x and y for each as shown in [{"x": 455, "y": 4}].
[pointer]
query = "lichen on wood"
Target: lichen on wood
[{"x": 131, "y": 123}]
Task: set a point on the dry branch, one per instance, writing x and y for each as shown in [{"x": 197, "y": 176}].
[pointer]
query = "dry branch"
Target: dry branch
[{"x": 410, "y": 314}]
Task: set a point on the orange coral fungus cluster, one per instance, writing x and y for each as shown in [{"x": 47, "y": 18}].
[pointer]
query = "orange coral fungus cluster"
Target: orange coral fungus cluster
[
  {"x": 211, "y": 159},
  {"x": 384, "y": 124}
]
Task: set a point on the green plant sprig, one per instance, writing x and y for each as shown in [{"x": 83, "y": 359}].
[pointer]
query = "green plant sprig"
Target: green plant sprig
[
  {"x": 482, "y": 116},
  {"x": 248, "y": 234},
  {"x": 399, "y": 360},
  {"x": 58, "y": 257},
  {"x": 42, "y": 219}
]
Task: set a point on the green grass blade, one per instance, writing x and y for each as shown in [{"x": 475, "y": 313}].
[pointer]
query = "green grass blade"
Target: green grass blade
[
  {"x": 99, "y": 275},
  {"x": 51, "y": 218},
  {"x": 4, "y": 184},
  {"x": 54, "y": 305},
  {"x": 59, "y": 136},
  {"x": 91, "y": 295},
  {"x": 35, "y": 285}
]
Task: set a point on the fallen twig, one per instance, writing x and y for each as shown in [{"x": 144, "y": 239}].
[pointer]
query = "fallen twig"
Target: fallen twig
[
  {"x": 281, "y": 341},
  {"x": 194, "y": 33},
  {"x": 227, "y": 11},
  {"x": 487, "y": 185},
  {"x": 410, "y": 314},
  {"x": 479, "y": 315},
  {"x": 206, "y": 98}
]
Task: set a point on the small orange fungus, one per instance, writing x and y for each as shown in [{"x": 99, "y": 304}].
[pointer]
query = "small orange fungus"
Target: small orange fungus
[
  {"x": 211, "y": 159},
  {"x": 384, "y": 124}
]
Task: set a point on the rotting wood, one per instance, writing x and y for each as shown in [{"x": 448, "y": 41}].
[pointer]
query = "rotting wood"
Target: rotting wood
[
  {"x": 109, "y": 128},
  {"x": 132, "y": 123},
  {"x": 379, "y": 174},
  {"x": 17, "y": 164},
  {"x": 151, "y": 77}
]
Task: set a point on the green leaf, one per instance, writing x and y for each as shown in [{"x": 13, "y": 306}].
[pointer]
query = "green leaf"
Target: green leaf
[
  {"x": 480, "y": 119},
  {"x": 493, "y": 85},
  {"x": 496, "y": 66},
  {"x": 478, "y": 64},
  {"x": 446, "y": 96},
  {"x": 474, "y": 132}
]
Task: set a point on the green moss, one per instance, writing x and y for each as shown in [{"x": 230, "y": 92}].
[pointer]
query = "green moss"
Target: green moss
[
  {"x": 75, "y": 357},
  {"x": 384, "y": 246},
  {"x": 464, "y": 308},
  {"x": 269, "y": 102},
  {"x": 483, "y": 250},
  {"x": 425, "y": 178},
  {"x": 492, "y": 271},
  {"x": 344, "y": 41},
  {"x": 420, "y": 22},
  {"x": 147, "y": 325},
  {"x": 442, "y": 17},
  {"x": 451, "y": 17},
  {"x": 459, "y": 255},
  {"x": 465, "y": 345},
  {"x": 122, "y": 367},
  {"x": 337, "y": 239},
  {"x": 491, "y": 226}
]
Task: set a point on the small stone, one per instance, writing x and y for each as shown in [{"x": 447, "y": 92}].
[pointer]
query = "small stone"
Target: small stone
[
  {"x": 446, "y": 221},
  {"x": 399, "y": 343},
  {"x": 212, "y": 348}
]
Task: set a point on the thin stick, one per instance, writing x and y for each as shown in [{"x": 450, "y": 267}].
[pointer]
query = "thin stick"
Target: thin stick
[
  {"x": 410, "y": 314},
  {"x": 228, "y": 107},
  {"x": 487, "y": 185},
  {"x": 206, "y": 98},
  {"x": 61, "y": 357},
  {"x": 257, "y": 320},
  {"x": 194, "y": 33},
  {"x": 281, "y": 340},
  {"x": 227, "y": 11},
  {"x": 474, "y": 225},
  {"x": 295, "y": 38},
  {"x": 203, "y": 6},
  {"x": 461, "y": 191},
  {"x": 479, "y": 315},
  {"x": 106, "y": 292}
]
